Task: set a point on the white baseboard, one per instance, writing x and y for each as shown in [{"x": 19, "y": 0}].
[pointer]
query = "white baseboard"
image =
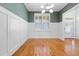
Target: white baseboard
[{"x": 13, "y": 50}]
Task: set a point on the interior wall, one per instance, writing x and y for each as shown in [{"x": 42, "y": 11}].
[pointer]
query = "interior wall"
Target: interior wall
[
  {"x": 56, "y": 26},
  {"x": 17, "y": 8},
  {"x": 77, "y": 22},
  {"x": 67, "y": 7},
  {"x": 17, "y": 33},
  {"x": 3, "y": 34},
  {"x": 69, "y": 24},
  {"x": 54, "y": 31},
  {"x": 74, "y": 14},
  {"x": 54, "y": 17},
  {"x": 13, "y": 31}
]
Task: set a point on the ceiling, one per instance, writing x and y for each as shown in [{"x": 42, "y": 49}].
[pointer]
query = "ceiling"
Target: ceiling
[{"x": 36, "y": 6}]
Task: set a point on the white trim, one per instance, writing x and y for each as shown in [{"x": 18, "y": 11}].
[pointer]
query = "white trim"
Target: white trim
[{"x": 13, "y": 50}]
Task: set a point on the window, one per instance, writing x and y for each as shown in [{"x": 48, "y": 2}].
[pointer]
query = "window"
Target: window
[{"x": 41, "y": 21}]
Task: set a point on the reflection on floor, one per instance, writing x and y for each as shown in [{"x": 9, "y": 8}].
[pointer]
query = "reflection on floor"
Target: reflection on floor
[
  {"x": 44, "y": 47},
  {"x": 71, "y": 47},
  {"x": 49, "y": 47}
]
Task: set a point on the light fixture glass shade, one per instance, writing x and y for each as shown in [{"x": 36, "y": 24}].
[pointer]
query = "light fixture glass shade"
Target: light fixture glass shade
[
  {"x": 47, "y": 7},
  {"x": 42, "y": 6},
  {"x": 52, "y": 6},
  {"x": 43, "y": 11},
  {"x": 51, "y": 11}
]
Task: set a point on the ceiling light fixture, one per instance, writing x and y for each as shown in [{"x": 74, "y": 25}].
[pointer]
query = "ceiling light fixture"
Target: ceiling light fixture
[
  {"x": 47, "y": 8},
  {"x": 51, "y": 11},
  {"x": 42, "y": 6},
  {"x": 43, "y": 11},
  {"x": 52, "y": 6}
]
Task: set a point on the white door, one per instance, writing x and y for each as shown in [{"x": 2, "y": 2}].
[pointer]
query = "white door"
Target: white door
[
  {"x": 3, "y": 34},
  {"x": 69, "y": 24},
  {"x": 69, "y": 29}
]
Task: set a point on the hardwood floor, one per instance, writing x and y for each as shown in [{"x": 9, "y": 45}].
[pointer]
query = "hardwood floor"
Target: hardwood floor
[
  {"x": 49, "y": 47},
  {"x": 71, "y": 47},
  {"x": 54, "y": 47}
]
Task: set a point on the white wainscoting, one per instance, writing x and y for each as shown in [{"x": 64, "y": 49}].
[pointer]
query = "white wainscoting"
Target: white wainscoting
[
  {"x": 3, "y": 34},
  {"x": 55, "y": 31},
  {"x": 17, "y": 33},
  {"x": 13, "y": 31}
]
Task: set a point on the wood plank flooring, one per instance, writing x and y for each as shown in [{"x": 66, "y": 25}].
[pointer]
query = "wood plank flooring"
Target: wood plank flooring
[
  {"x": 71, "y": 47},
  {"x": 55, "y": 47}
]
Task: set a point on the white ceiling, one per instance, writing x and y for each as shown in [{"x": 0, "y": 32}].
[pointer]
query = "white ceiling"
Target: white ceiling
[{"x": 36, "y": 6}]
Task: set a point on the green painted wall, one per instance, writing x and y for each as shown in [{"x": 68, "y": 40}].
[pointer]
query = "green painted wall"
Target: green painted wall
[
  {"x": 31, "y": 17},
  {"x": 17, "y": 8},
  {"x": 67, "y": 7},
  {"x": 54, "y": 17},
  {"x": 20, "y": 10}
]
